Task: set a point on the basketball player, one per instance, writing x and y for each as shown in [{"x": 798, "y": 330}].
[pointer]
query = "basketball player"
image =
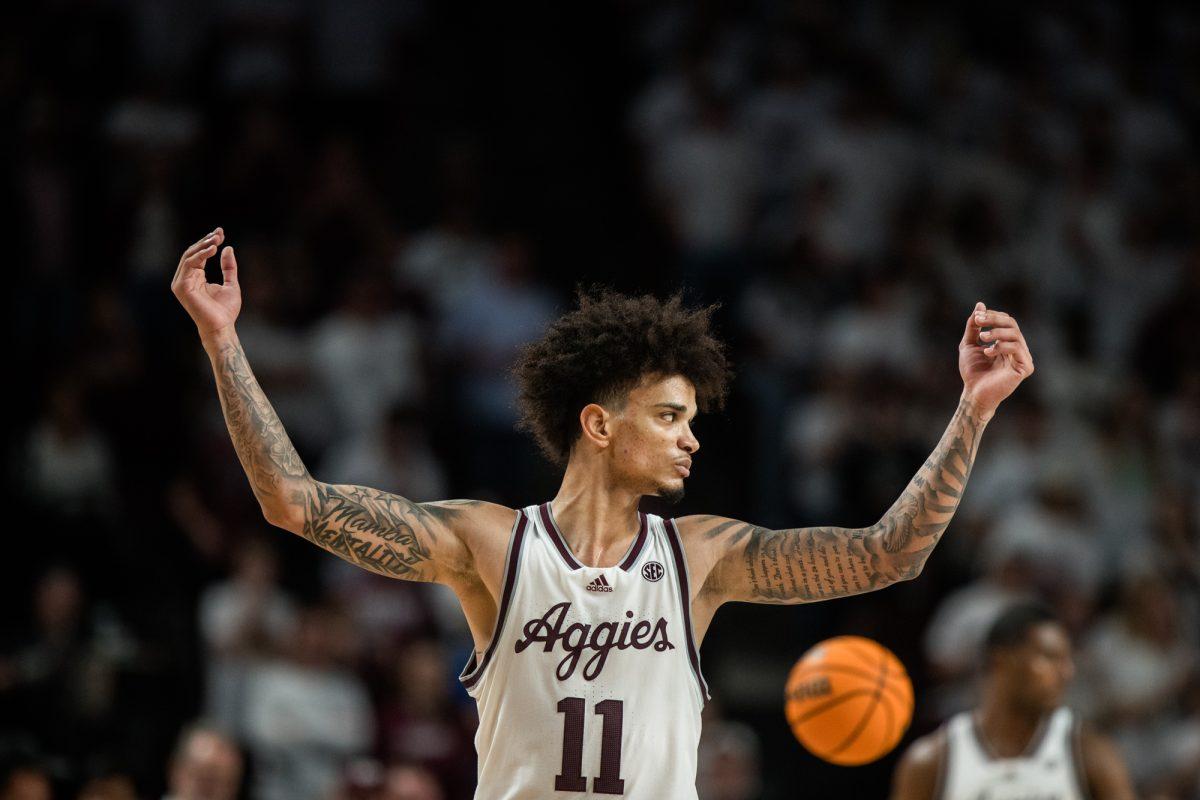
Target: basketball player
[
  {"x": 587, "y": 615},
  {"x": 1021, "y": 743}
]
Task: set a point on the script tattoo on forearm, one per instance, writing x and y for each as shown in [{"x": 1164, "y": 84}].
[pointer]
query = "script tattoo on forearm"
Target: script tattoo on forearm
[
  {"x": 807, "y": 564},
  {"x": 262, "y": 445}
]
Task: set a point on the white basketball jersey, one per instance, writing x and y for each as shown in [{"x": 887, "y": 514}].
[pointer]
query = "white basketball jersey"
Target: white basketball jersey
[
  {"x": 591, "y": 685},
  {"x": 1047, "y": 770}
]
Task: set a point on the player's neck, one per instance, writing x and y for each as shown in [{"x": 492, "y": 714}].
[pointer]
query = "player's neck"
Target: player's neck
[
  {"x": 1007, "y": 729},
  {"x": 597, "y": 518}
]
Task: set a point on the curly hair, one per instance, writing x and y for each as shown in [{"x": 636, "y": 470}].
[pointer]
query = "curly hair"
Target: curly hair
[{"x": 606, "y": 347}]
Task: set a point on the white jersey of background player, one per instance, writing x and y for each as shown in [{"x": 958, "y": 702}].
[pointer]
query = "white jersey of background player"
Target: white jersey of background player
[
  {"x": 1020, "y": 744},
  {"x": 609, "y": 392}
]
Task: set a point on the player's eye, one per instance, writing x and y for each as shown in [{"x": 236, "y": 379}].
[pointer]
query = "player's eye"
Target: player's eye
[{"x": 669, "y": 416}]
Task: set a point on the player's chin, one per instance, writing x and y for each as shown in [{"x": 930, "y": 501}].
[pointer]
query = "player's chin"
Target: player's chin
[{"x": 671, "y": 492}]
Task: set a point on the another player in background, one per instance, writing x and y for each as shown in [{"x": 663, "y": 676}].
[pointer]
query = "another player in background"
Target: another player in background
[
  {"x": 587, "y": 614},
  {"x": 1021, "y": 742}
]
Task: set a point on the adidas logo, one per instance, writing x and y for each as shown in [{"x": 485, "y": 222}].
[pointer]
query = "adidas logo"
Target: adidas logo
[{"x": 599, "y": 585}]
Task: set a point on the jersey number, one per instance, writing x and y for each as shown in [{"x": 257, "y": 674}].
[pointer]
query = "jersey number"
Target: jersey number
[{"x": 571, "y": 778}]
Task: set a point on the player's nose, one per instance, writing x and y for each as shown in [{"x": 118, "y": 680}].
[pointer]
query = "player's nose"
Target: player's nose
[{"x": 689, "y": 443}]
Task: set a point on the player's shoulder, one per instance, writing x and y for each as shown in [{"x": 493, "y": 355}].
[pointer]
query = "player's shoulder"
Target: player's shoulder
[
  {"x": 1103, "y": 767},
  {"x": 1095, "y": 749},
  {"x": 919, "y": 773},
  {"x": 711, "y": 526},
  {"x": 926, "y": 752},
  {"x": 472, "y": 518}
]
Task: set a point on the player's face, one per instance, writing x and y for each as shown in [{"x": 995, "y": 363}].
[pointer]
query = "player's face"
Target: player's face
[
  {"x": 1044, "y": 667},
  {"x": 654, "y": 438}
]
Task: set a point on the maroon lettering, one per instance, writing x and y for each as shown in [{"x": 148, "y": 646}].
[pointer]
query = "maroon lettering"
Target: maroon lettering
[{"x": 598, "y": 640}]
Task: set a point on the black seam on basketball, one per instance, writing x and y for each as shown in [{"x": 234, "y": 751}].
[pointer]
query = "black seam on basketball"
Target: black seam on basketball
[
  {"x": 890, "y": 739},
  {"x": 880, "y": 682},
  {"x": 858, "y": 726},
  {"x": 828, "y": 704},
  {"x": 893, "y": 690},
  {"x": 864, "y": 655}
]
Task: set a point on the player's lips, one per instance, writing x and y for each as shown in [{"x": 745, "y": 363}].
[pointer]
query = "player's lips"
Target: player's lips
[{"x": 684, "y": 467}]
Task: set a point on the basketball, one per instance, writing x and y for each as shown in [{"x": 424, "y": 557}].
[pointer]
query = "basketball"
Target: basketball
[{"x": 848, "y": 700}]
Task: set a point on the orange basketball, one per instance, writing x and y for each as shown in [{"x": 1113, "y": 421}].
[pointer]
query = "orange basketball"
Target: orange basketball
[{"x": 849, "y": 700}]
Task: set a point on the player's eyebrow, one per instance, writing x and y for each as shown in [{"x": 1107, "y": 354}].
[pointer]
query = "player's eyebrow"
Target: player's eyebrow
[{"x": 675, "y": 407}]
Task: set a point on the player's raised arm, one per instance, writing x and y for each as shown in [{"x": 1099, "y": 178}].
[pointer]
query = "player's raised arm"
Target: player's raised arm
[
  {"x": 382, "y": 532},
  {"x": 749, "y": 563}
]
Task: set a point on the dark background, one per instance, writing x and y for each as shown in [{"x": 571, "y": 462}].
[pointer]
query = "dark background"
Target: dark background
[{"x": 428, "y": 182}]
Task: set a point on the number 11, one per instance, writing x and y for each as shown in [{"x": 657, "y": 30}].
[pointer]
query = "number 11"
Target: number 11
[{"x": 571, "y": 778}]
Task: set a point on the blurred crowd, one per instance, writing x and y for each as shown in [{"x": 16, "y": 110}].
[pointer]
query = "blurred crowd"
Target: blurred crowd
[{"x": 414, "y": 189}]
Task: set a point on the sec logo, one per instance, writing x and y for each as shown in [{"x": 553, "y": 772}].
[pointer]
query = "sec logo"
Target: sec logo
[{"x": 653, "y": 571}]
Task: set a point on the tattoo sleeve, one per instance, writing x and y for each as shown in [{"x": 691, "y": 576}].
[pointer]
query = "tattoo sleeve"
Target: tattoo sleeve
[
  {"x": 807, "y": 564},
  {"x": 376, "y": 530},
  {"x": 267, "y": 455}
]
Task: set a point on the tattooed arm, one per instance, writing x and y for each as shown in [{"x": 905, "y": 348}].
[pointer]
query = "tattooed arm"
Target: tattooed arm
[
  {"x": 373, "y": 529},
  {"x": 745, "y": 562},
  {"x": 381, "y": 532}
]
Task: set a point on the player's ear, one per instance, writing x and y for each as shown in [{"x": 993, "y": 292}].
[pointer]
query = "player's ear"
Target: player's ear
[{"x": 596, "y": 424}]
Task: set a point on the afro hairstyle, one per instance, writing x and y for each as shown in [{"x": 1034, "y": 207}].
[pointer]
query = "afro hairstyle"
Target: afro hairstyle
[{"x": 605, "y": 348}]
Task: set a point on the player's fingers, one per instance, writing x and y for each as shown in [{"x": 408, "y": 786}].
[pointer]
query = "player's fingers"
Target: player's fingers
[
  {"x": 1001, "y": 335},
  {"x": 1015, "y": 349},
  {"x": 208, "y": 243},
  {"x": 202, "y": 242},
  {"x": 1022, "y": 359},
  {"x": 997, "y": 319},
  {"x": 190, "y": 266},
  {"x": 197, "y": 259},
  {"x": 229, "y": 266},
  {"x": 971, "y": 334}
]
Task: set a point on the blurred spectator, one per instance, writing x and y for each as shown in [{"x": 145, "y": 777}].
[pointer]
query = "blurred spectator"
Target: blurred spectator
[
  {"x": 244, "y": 621},
  {"x": 206, "y": 765},
  {"x": 409, "y": 782},
  {"x": 25, "y": 782},
  {"x": 1058, "y": 535},
  {"x": 307, "y": 713},
  {"x": 729, "y": 760},
  {"x": 480, "y": 336},
  {"x": 395, "y": 457},
  {"x": 453, "y": 257},
  {"x": 707, "y": 179},
  {"x": 1140, "y": 660},
  {"x": 279, "y": 349},
  {"x": 108, "y": 787},
  {"x": 69, "y": 467},
  {"x": 367, "y": 356},
  {"x": 842, "y": 177},
  {"x": 422, "y": 725},
  {"x": 61, "y": 677},
  {"x": 955, "y": 633}
]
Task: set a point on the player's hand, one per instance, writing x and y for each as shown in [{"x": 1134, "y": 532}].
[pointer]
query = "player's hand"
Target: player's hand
[
  {"x": 992, "y": 358},
  {"x": 213, "y": 307}
]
